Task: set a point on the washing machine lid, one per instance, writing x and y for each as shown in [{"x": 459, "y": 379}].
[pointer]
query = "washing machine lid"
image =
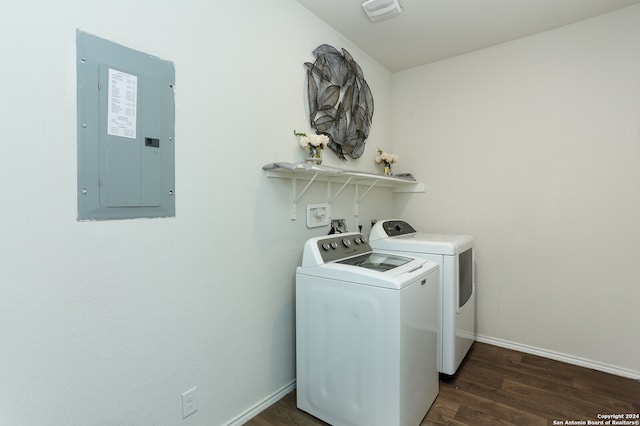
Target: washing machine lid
[
  {"x": 395, "y": 278},
  {"x": 377, "y": 261},
  {"x": 397, "y": 235}
]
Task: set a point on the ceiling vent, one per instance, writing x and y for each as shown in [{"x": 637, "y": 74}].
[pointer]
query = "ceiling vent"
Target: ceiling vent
[{"x": 379, "y": 10}]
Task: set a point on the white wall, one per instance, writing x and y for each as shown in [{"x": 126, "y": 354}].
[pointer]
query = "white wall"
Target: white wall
[
  {"x": 108, "y": 323},
  {"x": 533, "y": 147}
]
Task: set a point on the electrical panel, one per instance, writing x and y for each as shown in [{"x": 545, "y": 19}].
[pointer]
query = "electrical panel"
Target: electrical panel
[{"x": 126, "y": 132}]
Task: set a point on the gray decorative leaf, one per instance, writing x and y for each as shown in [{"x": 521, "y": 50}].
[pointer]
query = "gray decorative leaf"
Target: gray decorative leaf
[
  {"x": 320, "y": 73},
  {"x": 365, "y": 94},
  {"x": 333, "y": 113},
  {"x": 360, "y": 117},
  {"x": 323, "y": 124},
  {"x": 341, "y": 127},
  {"x": 328, "y": 98},
  {"x": 347, "y": 99},
  {"x": 312, "y": 90},
  {"x": 352, "y": 134},
  {"x": 358, "y": 150},
  {"x": 341, "y": 72},
  {"x": 355, "y": 103},
  {"x": 336, "y": 149},
  {"x": 354, "y": 65},
  {"x": 323, "y": 49}
]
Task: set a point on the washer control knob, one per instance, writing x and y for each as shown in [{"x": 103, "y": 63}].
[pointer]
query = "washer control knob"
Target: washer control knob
[
  {"x": 325, "y": 246},
  {"x": 363, "y": 239},
  {"x": 334, "y": 245},
  {"x": 346, "y": 242},
  {"x": 357, "y": 240}
]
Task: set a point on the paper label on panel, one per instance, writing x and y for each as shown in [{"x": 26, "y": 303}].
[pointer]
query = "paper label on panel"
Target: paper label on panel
[{"x": 123, "y": 100}]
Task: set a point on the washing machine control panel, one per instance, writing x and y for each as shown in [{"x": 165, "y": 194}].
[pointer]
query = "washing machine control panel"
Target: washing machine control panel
[{"x": 339, "y": 246}]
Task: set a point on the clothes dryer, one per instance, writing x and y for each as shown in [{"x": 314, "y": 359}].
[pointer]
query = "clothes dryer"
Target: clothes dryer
[
  {"x": 455, "y": 255},
  {"x": 366, "y": 333}
]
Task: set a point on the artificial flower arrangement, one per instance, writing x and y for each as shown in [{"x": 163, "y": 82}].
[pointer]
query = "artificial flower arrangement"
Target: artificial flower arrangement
[
  {"x": 387, "y": 159},
  {"x": 314, "y": 144}
]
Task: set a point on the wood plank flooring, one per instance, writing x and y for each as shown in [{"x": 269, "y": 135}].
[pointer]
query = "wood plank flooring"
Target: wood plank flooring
[{"x": 497, "y": 386}]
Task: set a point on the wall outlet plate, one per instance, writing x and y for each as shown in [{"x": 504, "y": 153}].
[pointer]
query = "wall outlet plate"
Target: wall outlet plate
[
  {"x": 189, "y": 402},
  {"x": 318, "y": 215}
]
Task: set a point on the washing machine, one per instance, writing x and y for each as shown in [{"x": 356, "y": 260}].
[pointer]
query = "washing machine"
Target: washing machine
[
  {"x": 366, "y": 333},
  {"x": 455, "y": 255}
]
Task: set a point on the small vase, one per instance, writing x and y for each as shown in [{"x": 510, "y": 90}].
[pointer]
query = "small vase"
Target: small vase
[
  {"x": 314, "y": 156},
  {"x": 387, "y": 169}
]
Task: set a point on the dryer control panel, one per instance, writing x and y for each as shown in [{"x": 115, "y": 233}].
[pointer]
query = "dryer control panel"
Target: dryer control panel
[{"x": 394, "y": 228}]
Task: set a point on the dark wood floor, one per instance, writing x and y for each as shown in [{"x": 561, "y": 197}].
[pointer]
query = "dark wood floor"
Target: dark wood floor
[{"x": 497, "y": 386}]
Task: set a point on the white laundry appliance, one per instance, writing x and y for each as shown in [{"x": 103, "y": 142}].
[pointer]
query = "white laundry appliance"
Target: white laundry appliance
[
  {"x": 455, "y": 255},
  {"x": 366, "y": 333}
]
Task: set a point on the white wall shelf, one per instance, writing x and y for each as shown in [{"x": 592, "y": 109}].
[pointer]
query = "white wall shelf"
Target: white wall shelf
[{"x": 317, "y": 173}]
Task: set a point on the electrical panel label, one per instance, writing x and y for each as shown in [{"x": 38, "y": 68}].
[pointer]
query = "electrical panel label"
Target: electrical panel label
[{"x": 123, "y": 101}]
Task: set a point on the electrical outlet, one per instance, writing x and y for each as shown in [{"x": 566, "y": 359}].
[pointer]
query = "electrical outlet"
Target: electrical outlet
[{"x": 189, "y": 402}]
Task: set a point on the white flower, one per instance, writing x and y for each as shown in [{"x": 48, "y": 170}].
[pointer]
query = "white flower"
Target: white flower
[
  {"x": 304, "y": 141},
  {"x": 385, "y": 157},
  {"x": 313, "y": 141},
  {"x": 319, "y": 140}
]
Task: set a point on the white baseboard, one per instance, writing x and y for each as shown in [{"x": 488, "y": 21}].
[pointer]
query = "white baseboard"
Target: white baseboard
[
  {"x": 262, "y": 405},
  {"x": 569, "y": 359}
]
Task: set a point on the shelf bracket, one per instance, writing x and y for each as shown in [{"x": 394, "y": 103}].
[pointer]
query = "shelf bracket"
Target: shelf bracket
[
  {"x": 295, "y": 197},
  {"x": 344, "y": 185},
  {"x": 358, "y": 198}
]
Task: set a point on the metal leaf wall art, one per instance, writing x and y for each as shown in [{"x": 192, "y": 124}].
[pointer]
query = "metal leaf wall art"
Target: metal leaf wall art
[{"x": 340, "y": 101}]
